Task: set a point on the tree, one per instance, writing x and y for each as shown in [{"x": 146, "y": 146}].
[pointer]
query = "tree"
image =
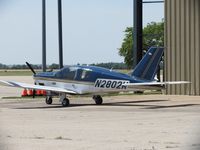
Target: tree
[
  {"x": 153, "y": 35},
  {"x": 54, "y": 66},
  {"x": 127, "y": 46}
]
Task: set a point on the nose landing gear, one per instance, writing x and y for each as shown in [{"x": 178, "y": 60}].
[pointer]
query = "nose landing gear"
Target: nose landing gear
[
  {"x": 64, "y": 101},
  {"x": 49, "y": 100}
]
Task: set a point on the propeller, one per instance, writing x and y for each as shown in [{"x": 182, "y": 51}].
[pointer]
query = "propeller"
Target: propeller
[{"x": 31, "y": 68}]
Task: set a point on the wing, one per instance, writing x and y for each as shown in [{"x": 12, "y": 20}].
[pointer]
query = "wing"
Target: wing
[
  {"x": 37, "y": 87},
  {"x": 132, "y": 85}
]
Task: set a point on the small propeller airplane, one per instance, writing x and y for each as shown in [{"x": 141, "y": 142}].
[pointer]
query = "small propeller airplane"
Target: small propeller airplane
[{"x": 81, "y": 80}]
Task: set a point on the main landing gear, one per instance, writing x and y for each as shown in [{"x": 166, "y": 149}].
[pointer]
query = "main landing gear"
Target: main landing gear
[
  {"x": 64, "y": 101},
  {"x": 98, "y": 99}
]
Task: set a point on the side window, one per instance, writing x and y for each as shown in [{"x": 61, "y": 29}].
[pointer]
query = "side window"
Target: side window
[
  {"x": 69, "y": 73},
  {"x": 85, "y": 75}
]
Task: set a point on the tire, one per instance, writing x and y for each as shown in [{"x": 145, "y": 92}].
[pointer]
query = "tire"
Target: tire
[
  {"x": 65, "y": 102},
  {"x": 49, "y": 100},
  {"x": 98, "y": 99}
]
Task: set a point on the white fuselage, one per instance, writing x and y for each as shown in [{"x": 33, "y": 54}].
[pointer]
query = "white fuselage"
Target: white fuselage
[{"x": 100, "y": 86}]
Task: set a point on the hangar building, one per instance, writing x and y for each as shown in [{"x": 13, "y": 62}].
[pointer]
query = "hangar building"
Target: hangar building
[{"x": 182, "y": 42}]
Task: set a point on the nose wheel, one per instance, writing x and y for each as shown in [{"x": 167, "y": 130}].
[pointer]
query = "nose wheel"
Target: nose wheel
[
  {"x": 64, "y": 101},
  {"x": 98, "y": 99}
]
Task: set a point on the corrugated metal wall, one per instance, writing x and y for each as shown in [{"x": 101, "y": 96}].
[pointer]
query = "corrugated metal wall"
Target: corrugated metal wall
[{"x": 182, "y": 42}]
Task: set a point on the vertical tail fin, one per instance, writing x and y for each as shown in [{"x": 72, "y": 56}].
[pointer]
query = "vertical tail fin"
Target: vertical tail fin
[{"x": 146, "y": 69}]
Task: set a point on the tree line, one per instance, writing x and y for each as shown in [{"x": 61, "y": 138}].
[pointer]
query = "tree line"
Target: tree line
[{"x": 109, "y": 65}]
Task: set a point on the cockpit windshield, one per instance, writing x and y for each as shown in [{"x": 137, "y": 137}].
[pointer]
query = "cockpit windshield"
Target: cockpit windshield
[
  {"x": 75, "y": 73},
  {"x": 68, "y": 73}
]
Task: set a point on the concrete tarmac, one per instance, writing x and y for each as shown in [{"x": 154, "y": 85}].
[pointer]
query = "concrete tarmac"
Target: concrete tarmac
[{"x": 124, "y": 122}]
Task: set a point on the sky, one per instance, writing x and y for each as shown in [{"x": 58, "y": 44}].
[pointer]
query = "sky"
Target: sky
[{"x": 93, "y": 30}]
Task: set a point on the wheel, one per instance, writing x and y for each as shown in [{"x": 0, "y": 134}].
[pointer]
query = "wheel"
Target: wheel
[
  {"x": 98, "y": 99},
  {"x": 65, "y": 102},
  {"x": 49, "y": 100}
]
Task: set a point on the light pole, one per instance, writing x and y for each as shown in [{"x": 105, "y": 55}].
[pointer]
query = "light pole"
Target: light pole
[
  {"x": 137, "y": 32},
  {"x": 60, "y": 33},
  {"x": 43, "y": 35}
]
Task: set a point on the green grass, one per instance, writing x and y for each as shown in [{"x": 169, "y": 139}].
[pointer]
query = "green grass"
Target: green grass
[
  {"x": 126, "y": 71},
  {"x": 15, "y": 73}
]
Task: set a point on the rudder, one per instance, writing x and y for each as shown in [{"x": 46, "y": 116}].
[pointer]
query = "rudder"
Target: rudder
[{"x": 146, "y": 69}]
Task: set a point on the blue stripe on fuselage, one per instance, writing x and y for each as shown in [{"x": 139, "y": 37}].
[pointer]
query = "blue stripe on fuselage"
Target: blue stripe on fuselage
[{"x": 94, "y": 74}]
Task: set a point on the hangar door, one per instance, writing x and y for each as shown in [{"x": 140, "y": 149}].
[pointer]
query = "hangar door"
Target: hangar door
[{"x": 182, "y": 42}]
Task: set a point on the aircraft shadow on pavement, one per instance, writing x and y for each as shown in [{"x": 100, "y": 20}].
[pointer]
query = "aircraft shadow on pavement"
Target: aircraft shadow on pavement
[
  {"x": 145, "y": 106},
  {"x": 52, "y": 106},
  {"x": 172, "y": 106},
  {"x": 123, "y": 104}
]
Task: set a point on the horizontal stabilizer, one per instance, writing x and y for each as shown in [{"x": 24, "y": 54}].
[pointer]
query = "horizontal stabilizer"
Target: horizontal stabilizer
[{"x": 156, "y": 83}]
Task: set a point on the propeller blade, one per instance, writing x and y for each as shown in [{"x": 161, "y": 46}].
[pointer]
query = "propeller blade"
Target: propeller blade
[{"x": 30, "y": 67}]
